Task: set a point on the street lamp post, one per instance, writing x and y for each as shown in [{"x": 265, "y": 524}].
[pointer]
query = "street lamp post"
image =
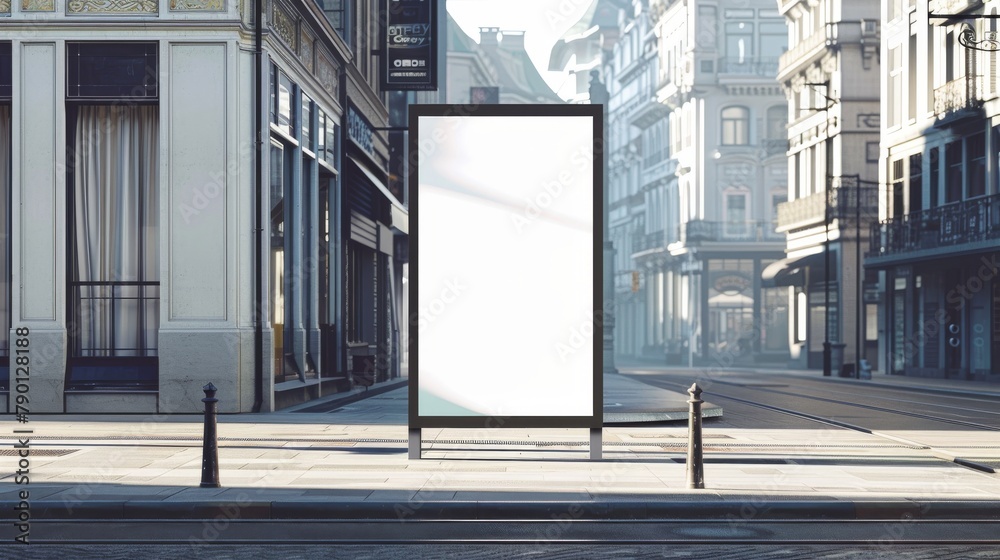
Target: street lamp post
[
  {"x": 827, "y": 348},
  {"x": 599, "y": 95}
]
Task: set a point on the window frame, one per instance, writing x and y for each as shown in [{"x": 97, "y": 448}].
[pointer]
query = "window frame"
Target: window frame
[{"x": 734, "y": 129}]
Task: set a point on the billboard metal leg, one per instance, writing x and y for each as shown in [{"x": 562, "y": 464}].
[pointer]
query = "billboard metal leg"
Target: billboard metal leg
[
  {"x": 414, "y": 443},
  {"x": 595, "y": 443}
]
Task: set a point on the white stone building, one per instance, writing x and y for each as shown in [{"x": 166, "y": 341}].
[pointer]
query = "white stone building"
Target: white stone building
[{"x": 140, "y": 220}]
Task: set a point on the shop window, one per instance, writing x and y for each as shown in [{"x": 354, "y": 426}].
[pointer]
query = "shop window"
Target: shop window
[
  {"x": 735, "y": 126},
  {"x": 285, "y": 366}
]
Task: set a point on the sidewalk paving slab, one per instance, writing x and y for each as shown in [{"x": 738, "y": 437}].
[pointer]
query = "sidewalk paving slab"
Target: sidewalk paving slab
[{"x": 352, "y": 464}]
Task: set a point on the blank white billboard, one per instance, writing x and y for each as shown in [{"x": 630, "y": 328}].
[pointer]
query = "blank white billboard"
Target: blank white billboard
[{"x": 505, "y": 265}]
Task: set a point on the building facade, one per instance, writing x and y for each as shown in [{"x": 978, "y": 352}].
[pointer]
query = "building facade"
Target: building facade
[
  {"x": 831, "y": 77},
  {"x": 642, "y": 185},
  {"x": 936, "y": 249},
  {"x": 718, "y": 63},
  {"x": 154, "y": 245},
  {"x": 497, "y": 61}
]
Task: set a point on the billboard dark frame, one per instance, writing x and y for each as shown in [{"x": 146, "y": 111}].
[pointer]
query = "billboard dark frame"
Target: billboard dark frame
[{"x": 596, "y": 419}]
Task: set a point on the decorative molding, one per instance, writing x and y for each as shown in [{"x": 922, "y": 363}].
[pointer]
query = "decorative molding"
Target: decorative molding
[
  {"x": 36, "y": 6},
  {"x": 4, "y": 7},
  {"x": 139, "y": 7},
  {"x": 198, "y": 5},
  {"x": 326, "y": 72},
  {"x": 283, "y": 24},
  {"x": 869, "y": 120},
  {"x": 306, "y": 48}
]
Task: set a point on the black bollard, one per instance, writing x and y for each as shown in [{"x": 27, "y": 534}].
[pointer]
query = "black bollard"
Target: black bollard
[
  {"x": 695, "y": 467},
  {"x": 210, "y": 445}
]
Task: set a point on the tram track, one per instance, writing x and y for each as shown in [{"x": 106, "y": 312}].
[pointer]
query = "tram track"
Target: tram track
[
  {"x": 931, "y": 417},
  {"x": 932, "y": 450}
]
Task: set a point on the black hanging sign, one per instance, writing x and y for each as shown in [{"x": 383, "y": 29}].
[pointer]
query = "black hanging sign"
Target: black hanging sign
[{"x": 410, "y": 39}]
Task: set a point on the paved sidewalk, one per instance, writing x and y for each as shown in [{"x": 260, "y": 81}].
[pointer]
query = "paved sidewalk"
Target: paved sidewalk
[{"x": 352, "y": 462}]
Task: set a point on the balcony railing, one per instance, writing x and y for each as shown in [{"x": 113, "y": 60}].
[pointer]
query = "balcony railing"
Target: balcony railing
[
  {"x": 646, "y": 241},
  {"x": 804, "y": 211},
  {"x": 957, "y": 95},
  {"x": 802, "y": 48},
  {"x": 749, "y": 66},
  {"x": 703, "y": 230},
  {"x": 956, "y": 224},
  {"x": 849, "y": 197}
]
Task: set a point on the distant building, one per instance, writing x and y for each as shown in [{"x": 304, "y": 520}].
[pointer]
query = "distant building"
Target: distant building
[
  {"x": 643, "y": 189},
  {"x": 582, "y": 47},
  {"x": 831, "y": 78},
  {"x": 718, "y": 63},
  {"x": 938, "y": 245},
  {"x": 497, "y": 61}
]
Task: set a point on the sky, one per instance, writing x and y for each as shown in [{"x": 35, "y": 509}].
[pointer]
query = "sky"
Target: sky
[{"x": 543, "y": 22}]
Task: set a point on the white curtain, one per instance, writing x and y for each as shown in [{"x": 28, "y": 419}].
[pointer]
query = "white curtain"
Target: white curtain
[
  {"x": 116, "y": 237},
  {"x": 4, "y": 229}
]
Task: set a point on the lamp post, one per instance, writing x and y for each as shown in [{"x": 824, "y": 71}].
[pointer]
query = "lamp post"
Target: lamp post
[
  {"x": 599, "y": 95},
  {"x": 828, "y": 144}
]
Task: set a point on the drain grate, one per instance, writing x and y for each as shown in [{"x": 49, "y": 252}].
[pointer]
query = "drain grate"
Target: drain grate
[{"x": 39, "y": 452}]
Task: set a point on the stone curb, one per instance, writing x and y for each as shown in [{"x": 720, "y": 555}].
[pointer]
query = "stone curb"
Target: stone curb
[{"x": 711, "y": 510}]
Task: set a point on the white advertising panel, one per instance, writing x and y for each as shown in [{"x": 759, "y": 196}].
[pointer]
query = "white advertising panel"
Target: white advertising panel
[{"x": 505, "y": 265}]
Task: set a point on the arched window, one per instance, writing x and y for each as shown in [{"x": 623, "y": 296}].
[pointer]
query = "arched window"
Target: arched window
[
  {"x": 777, "y": 122},
  {"x": 735, "y": 126}
]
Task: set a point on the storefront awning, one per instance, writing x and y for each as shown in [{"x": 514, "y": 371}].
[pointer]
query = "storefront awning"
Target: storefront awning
[
  {"x": 398, "y": 212},
  {"x": 791, "y": 271}
]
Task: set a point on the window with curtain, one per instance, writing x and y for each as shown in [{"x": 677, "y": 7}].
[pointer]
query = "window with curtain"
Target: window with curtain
[
  {"x": 115, "y": 238},
  {"x": 735, "y": 126},
  {"x": 113, "y": 213}
]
